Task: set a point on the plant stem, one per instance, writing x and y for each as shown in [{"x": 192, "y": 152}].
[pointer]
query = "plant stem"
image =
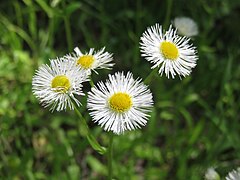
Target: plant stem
[
  {"x": 110, "y": 152},
  {"x": 91, "y": 82},
  {"x": 150, "y": 76},
  {"x": 91, "y": 139},
  {"x": 168, "y": 13},
  {"x": 68, "y": 33}
]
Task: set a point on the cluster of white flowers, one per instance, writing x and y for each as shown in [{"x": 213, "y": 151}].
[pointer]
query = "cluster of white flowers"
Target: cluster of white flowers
[
  {"x": 56, "y": 85},
  {"x": 121, "y": 103}
]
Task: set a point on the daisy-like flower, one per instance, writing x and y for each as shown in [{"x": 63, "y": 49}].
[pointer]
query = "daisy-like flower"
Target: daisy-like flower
[
  {"x": 120, "y": 104},
  {"x": 56, "y": 85},
  {"x": 167, "y": 51},
  {"x": 91, "y": 60},
  {"x": 186, "y": 26},
  {"x": 234, "y": 175}
]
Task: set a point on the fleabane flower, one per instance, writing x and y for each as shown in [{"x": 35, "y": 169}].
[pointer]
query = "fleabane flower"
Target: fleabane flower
[
  {"x": 120, "y": 104},
  {"x": 172, "y": 54},
  {"x": 56, "y": 85},
  {"x": 233, "y": 175},
  {"x": 186, "y": 26},
  {"x": 91, "y": 60}
]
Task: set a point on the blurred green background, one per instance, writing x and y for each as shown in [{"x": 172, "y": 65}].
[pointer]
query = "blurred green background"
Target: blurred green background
[{"x": 195, "y": 121}]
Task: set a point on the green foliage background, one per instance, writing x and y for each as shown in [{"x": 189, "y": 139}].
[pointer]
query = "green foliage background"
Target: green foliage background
[{"x": 195, "y": 121}]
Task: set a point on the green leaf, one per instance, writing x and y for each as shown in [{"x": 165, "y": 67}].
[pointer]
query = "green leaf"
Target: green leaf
[
  {"x": 96, "y": 165},
  {"x": 72, "y": 7},
  {"x": 46, "y": 8}
]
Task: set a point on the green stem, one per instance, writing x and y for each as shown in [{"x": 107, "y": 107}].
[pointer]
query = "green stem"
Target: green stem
[
  {"x": 68, "y": 33},
  {"x": 91, "y": 139},
  {"x": 149, "y": 78},
  {"x": 168, "y": 13},
  {"x": 91, "y": 82},
  {"x": 110, "y": 152}
]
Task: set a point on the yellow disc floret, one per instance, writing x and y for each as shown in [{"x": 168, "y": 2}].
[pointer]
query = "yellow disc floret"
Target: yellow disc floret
[
  {"x": 61, "y": 83},
  {"x": 169, "y": 50},
  {"x": 120, "y": 102},
  {"x": 85, "y": 61}
]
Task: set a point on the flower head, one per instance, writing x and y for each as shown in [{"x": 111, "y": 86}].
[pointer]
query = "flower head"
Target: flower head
[
  {"x": 91, "y": 60},
  {"x": 233, "y": 175},
  {"x": 168, "y": 51},
  {"x": 120, "y": 104},
  {"x": 56, "y": 85},
  {"x": 186, "y": 26}
]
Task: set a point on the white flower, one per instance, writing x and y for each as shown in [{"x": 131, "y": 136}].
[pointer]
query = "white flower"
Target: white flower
[
  {"x": 168, "y": 51},
  {"x": 120, "y": 104},
  {"x": 211, "y": 174},
  {"x": 186, "y": 26},
  {"x": 56, "y": 85},
  {"x": 234, "y": 175},
  {"x": 91, "y": 60}
]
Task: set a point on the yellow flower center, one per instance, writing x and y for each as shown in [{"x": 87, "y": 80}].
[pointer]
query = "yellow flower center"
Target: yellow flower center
[
  {"x": 169, "y": 50},
  {"x": 85, "y": 61},
  {"x": 120, "y": 102},
  {"x": 61, "y": 83}
]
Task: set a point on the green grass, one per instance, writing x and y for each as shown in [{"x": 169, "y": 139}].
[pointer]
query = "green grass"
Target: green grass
[{"x": 195, "y": 121}]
